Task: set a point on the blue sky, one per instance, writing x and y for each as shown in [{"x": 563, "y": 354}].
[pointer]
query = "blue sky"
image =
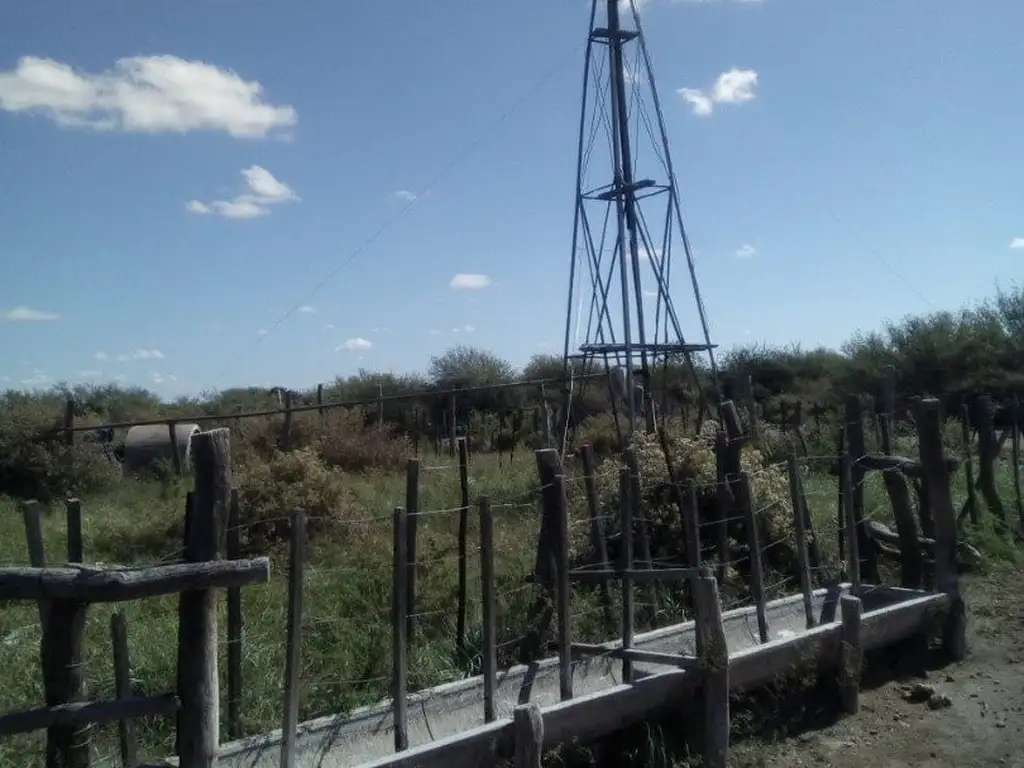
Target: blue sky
[{"x": 177, "y": 179}]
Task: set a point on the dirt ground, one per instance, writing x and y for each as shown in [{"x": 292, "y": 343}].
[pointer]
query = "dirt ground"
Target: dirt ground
[{"x": 975, "y": 716}]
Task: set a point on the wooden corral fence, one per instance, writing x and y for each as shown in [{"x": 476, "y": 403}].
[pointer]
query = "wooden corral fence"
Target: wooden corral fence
[
  {"x": 594, "y": 714},
  {"x": 64, "y": 594}
]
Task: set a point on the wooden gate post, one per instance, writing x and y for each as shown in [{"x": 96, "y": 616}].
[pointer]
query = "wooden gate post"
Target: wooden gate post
[{"x": 198, "y": 687}]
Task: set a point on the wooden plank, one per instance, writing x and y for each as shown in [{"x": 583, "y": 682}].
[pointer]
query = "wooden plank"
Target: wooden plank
[
  {"x": 234, "y": 616},
  {"x": 123, "y": 688},
  {"x": 293, "y": 637},
  {"x": 489, "y": 663},
  {"x": 529, "y": 736},
  {"x": 636, "y": 575},
  {"x": 463, "y": 608},
  {"x": 73, "y": 508},
  {"x": 198, "y": 685},
  {"x": 851, "y": 653},
  {"x": 638, "y": 655},
  {"x": 563, "y": 593},
  {"x": 399, "y": 650},
  {"x": 756, "y": 563},
  {"x": 81, "y": 713},
  {"x": 67, "y": 745},
  {"x": 89, "y": 584}
]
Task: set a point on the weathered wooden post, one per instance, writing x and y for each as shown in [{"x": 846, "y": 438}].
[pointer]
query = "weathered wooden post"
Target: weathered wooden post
[
  {"x": 412, "y": 508},
  {"x": 399, "y": 646},
  {"x": 489, "y": 662},
  {"x": 988, "y": 453},
  {"x": 856, "y": 446},
  {"x": 123, "y": 687},
  {"x": 563, "y": 592},
  {"x": 800, "y": 534},
  {"x": 293, "y": 637},
  {"x": 73, "y": 507},
  {"x": 460, "y": 631},
  {"x": 965, "y": 433},
  {"x": 714, "y": 664},
  {"x": 851, "y": 653},
  {"x": 756, "y": 555},
  {"x": 528, "y": 736},
  {"x": 234, "y": 616},
  {"x": 198, "y": 686},
  {"x": 936, "y": 476},
  {"x": 597, "y": 538},
  {"x": 286, "y": 433},
  {"x": 176, "y": 458},
  {"x": 626, "y": 582}
]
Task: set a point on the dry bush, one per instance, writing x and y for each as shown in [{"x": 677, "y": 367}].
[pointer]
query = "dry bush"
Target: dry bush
[
  {"x": 35, "y": 462},
  {"x": 269, "y": 491},
  {"x": 347, "y": 443},
  {"x": 600, "y": 434}
]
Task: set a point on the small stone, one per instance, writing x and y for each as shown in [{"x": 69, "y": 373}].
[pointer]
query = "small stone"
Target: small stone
[
  {"x": 939, "y": 701},
  {"x": 919, "y": 692}
]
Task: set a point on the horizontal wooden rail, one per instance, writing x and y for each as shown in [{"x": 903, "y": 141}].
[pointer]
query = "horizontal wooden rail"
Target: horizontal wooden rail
[
  {"x": 424, "y": 393},
  {"x": 637, "y": 575},
  {"x": 86, "y": 712},
  {"x": 883, "y": 463},
  {"x": 111, "y": 585},
  {"x": 679, "y": 661}
]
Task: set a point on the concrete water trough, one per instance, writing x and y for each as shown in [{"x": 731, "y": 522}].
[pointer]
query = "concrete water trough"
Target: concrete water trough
[{"x": 446, "y": 723}]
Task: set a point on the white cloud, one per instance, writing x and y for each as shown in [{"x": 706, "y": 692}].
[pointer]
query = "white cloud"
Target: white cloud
[
  {"x": 380, "y": 330},
  {"x": 469, "y": 282},
  {"x": 262, "y": 190},
  {"x": 26, "y": 315},
  {"x": 745, "y": 251},
  {"x": 162, "y": 378},
  {"x": 306, "y": 309},
  {"x": 147, "y": 94},
  {"x": 92, "y": 373},
  {"x": 353, "y": 345},
  {"x": 329, "y": 326},
  {"x": 142, "y": 354},
  {"x": 735, "y": 86},
  {"x": 1017, "y": 242},
  {"x": 405, "y": 194},
  {"x": 732, "y": 87},
  {"x": 262, "y": 332},
  {"x": 435, "y": 332},
  {"x": 100, "y": 356},
  {"x": 37, "y": 379},
  {"x": 464, "y": 329}
]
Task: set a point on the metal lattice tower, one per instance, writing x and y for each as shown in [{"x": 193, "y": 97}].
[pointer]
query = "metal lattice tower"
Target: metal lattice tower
[{"x": 626, "y": 228}]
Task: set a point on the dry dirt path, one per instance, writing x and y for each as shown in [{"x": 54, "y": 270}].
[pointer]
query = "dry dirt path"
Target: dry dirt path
[{"x": 981, "y": 723}]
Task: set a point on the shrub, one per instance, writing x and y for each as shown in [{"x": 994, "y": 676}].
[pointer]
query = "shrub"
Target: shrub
[
  {"x": 347, "y": 443},
  {"x": 269, "y": 491},
  {"x": 600, "y": 433},
  {"x": 36, "y": 463}
]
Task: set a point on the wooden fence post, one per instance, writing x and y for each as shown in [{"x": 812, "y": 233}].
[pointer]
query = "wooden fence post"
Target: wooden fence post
[
  {"x": 528, "y": 736},
  {"x": 545, "y": 566},
  {"x": 563, "y": 594},
  {"x": 234, "y": 611},
  {"x": 452, "y": 424},
  {"x": 490, "y": 651},
  {"x": 988, "y": 453},
  {"x": 643, "y": 536},
  {"x": 32, "y": 517},
  {"x": 176, "y": 457},
  {"x": 69, "y": 423},
  {"x": 123, "y": 687},
  {"x": 756, "y": 564},
  {"x": 293, "y": 639},
  {"x": 851, "y": 653},
  {"x": 714, "y": 663},
  {"x": 597, "y": 538},
  {"x": 856, "y": 446},
  {"x": 626, "y": 582},
  {"x": 850, "y": 524},
  {"x": 286, "y": 432},
  {"x": 399, "y": 681},
  {"x": 320, "y": 402},
  {"x": 198, "y": 687},
  {"x": 412, "y": 508},
  {"x": 460, "y": 631},
  {"x": 67, "y": 746},
  {"x": 965, "y": 431},
  {"x": 800, "y": 533},
  {"x": 1015, "y": 459},
  {"x": 73, "y": 507},
  {"x": 936, "y": 471}
]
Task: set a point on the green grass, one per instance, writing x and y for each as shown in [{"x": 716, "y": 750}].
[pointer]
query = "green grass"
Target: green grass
[{"x": 346, "y": 633}]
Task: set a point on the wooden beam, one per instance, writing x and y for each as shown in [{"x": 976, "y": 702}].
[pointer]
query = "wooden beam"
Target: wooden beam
[
  {"x": 82, "y": 713},
  {"x": 115, "y": 585}
]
